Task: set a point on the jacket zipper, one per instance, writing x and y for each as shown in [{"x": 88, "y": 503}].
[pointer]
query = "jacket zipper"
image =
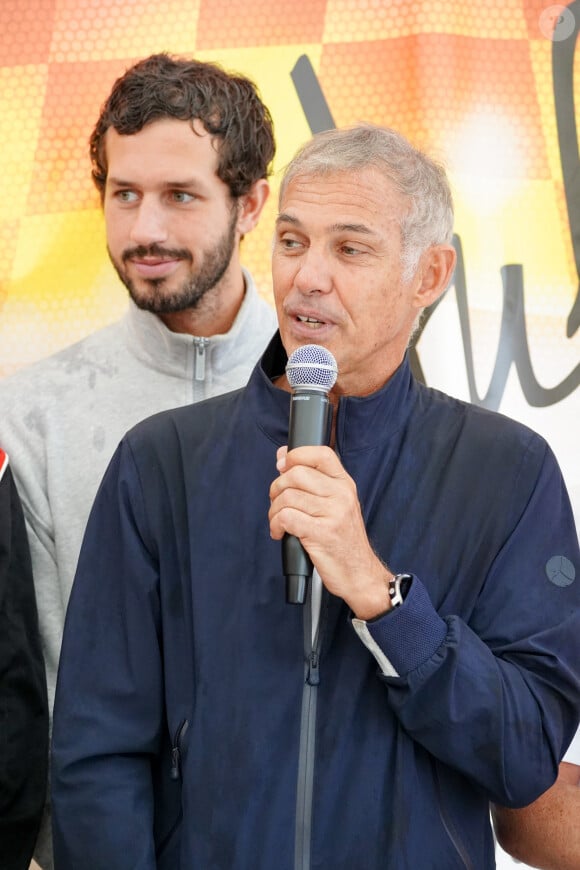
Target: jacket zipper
[
  {"x": 175, "y": 771},
  {"x": 174, "y": 775},
  {"x": 447, "y": 822},
  {"x": 307, "y": 752},
  {"x": 200, "y": 345}
]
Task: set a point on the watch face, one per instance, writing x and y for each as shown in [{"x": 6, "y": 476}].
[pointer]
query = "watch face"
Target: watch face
[{"x": 406, "y": 580}]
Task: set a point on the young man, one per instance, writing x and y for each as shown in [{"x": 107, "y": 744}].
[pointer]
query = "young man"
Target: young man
[
  {"x": 201, "y": 720},
  {"x": 23, "y": 704},
  {"x": 180, "y": 155}
]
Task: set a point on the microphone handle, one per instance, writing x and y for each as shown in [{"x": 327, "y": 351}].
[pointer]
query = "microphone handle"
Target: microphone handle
[{"x": 310, "y": 415}]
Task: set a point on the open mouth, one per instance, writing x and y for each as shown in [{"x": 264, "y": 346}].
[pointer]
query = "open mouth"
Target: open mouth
[{"x": 312, "y": 322}]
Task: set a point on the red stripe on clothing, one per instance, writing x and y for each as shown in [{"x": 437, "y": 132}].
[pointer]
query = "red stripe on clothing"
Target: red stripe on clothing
[{"x": 3, "y": 463}]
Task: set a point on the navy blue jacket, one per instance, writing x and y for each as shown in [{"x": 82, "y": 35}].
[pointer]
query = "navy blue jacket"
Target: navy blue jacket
[{"x": 194, "y": 727}]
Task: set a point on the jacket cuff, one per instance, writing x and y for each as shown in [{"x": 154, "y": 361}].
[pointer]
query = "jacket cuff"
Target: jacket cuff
[{"x": 405, "y": 636}]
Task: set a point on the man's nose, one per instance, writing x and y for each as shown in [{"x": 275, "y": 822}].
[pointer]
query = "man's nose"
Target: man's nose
[
  {"x": 149, "y": 225},
  {"x": 314, "y": 273}
]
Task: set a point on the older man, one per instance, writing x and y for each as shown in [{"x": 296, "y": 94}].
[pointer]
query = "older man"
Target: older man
[{"x": 201, "y": 720}]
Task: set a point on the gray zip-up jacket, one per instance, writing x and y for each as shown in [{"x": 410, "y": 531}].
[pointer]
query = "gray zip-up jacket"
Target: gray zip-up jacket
[{"x": 62, "y": 418}]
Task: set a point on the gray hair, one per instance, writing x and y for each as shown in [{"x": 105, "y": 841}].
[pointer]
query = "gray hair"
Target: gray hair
[{"x": 429, "y": 219}]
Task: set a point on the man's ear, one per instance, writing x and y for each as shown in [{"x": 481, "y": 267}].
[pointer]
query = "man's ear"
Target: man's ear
[
  {"x": 251, "y": 204},
  {"x": 435, "y": 271}
]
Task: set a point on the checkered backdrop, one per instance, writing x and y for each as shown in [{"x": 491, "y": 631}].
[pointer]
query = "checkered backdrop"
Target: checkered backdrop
[
  {"x": 486, "y": 87},
  {"x": 473, "y": 83}
]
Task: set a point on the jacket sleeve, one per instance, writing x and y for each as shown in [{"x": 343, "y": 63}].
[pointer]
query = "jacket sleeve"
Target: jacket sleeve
[
  {"x": 23, "y": 701},
  {"x": 22, "y": 435},
  {"x": 108, "y": 707},
  {"x": 497, "y": 696}
]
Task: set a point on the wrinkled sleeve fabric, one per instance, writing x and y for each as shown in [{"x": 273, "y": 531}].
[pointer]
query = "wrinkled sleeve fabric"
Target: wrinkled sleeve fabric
[
  {"x": 497, "y": 696},
  {"x": 23, "y": 699},
  {"x": 108, "y": 707}
]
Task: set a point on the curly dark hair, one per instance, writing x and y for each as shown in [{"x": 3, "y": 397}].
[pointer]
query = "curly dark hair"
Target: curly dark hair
[{"x": 228, "y": 106}]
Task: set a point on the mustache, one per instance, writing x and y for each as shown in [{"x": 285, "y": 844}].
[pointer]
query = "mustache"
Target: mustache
[{"x": 142, "y": 251}]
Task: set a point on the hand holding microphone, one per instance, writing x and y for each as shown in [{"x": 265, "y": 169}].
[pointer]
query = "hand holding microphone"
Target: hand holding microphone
[
  {"x": 335, "y": 531},
  {"x": 311, "y": 371}
]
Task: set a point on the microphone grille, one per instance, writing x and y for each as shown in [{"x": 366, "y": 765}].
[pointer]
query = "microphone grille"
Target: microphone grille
[{"x": 312, "y": 366}]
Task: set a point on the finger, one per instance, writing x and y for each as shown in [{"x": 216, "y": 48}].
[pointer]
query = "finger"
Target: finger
[
  {"x": 281, "y": 458},
  {"x": 320, "y": 457},
  {"x": 304, "y": 478},
  {"x": 304, "y": 502}
]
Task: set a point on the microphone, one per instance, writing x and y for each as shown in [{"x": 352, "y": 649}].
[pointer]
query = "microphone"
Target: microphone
[{"x": 311, "y": 371}]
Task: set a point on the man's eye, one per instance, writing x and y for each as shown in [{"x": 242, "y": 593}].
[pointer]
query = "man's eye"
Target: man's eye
[
  {"x": 126, "y": 195},
  {"x": 182, "y": 196},
  {"x": 290, "y": 244}
]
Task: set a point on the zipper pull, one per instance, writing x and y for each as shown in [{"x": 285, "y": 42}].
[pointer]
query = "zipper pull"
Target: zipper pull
[
  {"x": 175, "y": 771},
  {"x": 313, "y": 678},
  {"x": 199, "y": 361}
]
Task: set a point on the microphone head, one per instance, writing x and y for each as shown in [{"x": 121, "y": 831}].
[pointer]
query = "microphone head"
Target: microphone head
[{"x": 313, "y": 367}]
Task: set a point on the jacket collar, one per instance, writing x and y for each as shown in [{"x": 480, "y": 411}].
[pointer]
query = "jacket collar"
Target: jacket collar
[
  {"x": 362, "y": 422},
  {"x": 163, "y": 350}
]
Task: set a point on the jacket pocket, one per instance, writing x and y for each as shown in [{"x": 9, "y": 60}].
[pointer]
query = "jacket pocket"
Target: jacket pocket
[
  {"x": 167, "y": 786},
  {"x": 448, "y": 823}
]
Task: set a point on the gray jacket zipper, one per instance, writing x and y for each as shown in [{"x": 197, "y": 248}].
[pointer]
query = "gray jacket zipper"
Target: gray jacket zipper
[{"x": 199, "y": 345}]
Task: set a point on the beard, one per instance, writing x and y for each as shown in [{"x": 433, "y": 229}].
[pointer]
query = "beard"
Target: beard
[{"x": 157, "y": 297}]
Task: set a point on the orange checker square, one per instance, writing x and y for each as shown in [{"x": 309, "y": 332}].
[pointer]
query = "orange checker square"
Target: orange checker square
[
  {"x": 86, "y": 30},
  {"x": 360, "y": 20},
  {"x": 259, "y": 22},
  {"x": 74, "y": 95},
  {"x": 26, "y": 31},
  {"x": 428, "y": 85}
]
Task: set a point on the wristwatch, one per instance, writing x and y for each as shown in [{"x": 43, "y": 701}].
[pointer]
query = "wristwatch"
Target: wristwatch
[{"x": 398, "y": 588}]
